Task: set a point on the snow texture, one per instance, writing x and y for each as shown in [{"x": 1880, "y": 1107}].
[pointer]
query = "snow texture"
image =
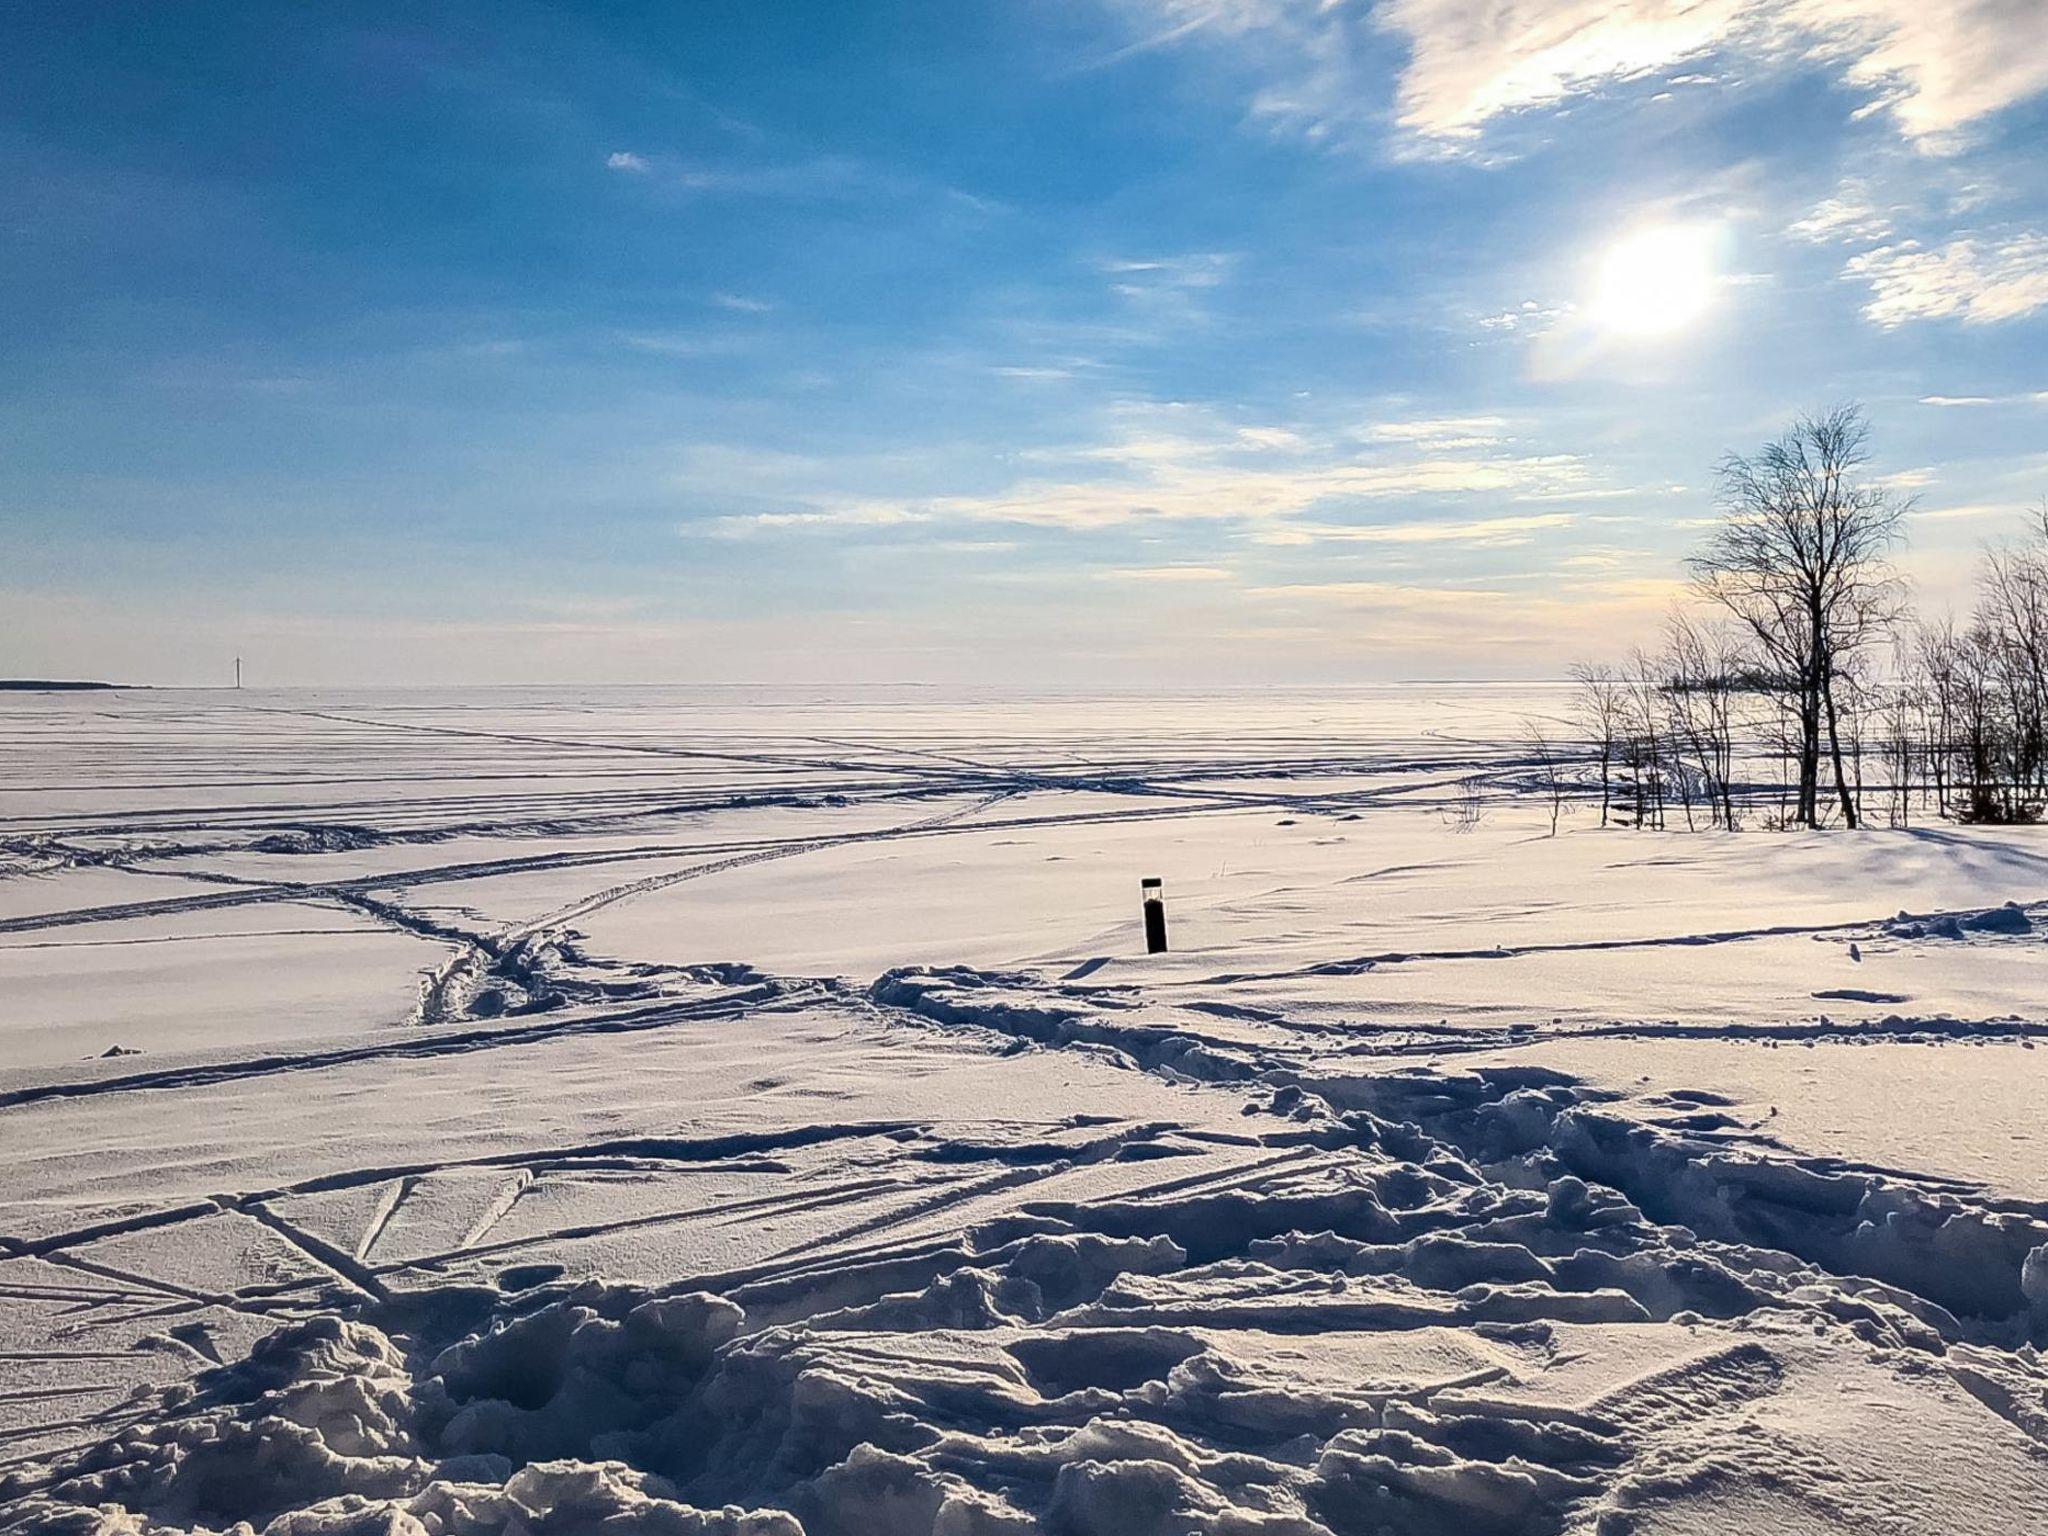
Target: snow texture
[{"x": 1433, "y": 1183}]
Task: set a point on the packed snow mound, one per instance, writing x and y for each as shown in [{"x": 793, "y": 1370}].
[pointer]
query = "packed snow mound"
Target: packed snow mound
[
  {"x": 324, "y": 1430},
  {"x": 2009, "y": 919},
  {"x": 1473, "y": 1303}
]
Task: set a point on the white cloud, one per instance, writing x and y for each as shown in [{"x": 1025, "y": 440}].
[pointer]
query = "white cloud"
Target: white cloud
[
  {"x": 626, "y": 160},
  {"x": 1170, "y": 288},
  {"x": 1441, "y": 433},
  {"x": 1851, "y": 216},
  {"x": 1529, "y": 318},
  {"x": 855, "y": 515},
  {"x": 1935, "y": 66},
  {"x": 1472, "y": 63},
  {"x": 1488, "y": 530},
  {"x": 1201, "y": 269},
  {"x": 1171, "y": 463},
  {"x": 1382, "y": 594},
  {"x": 2038, "y": 397},
  {"x": 1179, "y": 489},
  {"x": 1978, "y": 280},
  {"x": 1164, "y": 573},
  {"x": 1269, "y": 437},
  {"x": 741, "y": 303}
]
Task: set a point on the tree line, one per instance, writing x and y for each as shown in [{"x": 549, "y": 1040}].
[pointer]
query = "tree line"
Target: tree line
[{"x": 1800, "y": 689}]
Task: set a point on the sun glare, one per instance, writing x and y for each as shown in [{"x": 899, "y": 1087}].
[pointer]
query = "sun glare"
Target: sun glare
[{"x": 1657, "y": 280}]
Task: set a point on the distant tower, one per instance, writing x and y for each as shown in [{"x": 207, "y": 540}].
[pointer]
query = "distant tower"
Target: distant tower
[{"x": 238, "y": 672}]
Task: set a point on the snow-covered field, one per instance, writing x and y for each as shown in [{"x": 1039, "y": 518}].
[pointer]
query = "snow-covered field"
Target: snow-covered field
[{"x": 752, "y": 1111}]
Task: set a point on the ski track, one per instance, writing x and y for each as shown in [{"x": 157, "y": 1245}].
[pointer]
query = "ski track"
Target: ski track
[{"x": 992, "y": 1323}]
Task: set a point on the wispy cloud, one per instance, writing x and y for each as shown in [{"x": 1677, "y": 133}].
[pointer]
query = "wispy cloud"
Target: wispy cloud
[
  {"x": 1164, "y": 573},
  {"x": 1483, "y": 531},
  {"x": 1852, "y": 216},
  {"x": 2032, "y": 397},
  {"x": 1934, "y": 68},
  {"x": 1169, "y": 290},
  {"x": 1275, "y": 438},
  {"x": 1978, "y": 280},
  {"x": 1526, "y": 318},
  {"x": 1469, "y": 65},
  {"x": 684, "y": 343},
  {"x": 797, "y": 177},
  {"x": 1174, "y": 464},
  {"x": 1137, "y": 278},
  {"x": 877, "y": 514},
  {"x": 1441, "y": 432}
]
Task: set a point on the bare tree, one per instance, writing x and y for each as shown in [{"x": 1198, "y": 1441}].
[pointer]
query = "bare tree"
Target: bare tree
[
  {"x": 1700, "y": 678},
  {"x": 2012, "y": 609},
  {"x": 1800, "y": 561},
  {"x": 1904, "y": 708},
  {"x": 1600, "y": 711},
  {"x": 1644, "y": 744},
  {"x": 1550, "y": 769},
  {"x": 1937, "y": 662}
]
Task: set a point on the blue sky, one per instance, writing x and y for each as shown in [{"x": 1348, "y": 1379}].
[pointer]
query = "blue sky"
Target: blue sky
[{"x": 1067, "y": 341}]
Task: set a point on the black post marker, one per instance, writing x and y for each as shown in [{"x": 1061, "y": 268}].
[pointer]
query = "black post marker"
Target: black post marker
[{"x": 1155, "y": 916}]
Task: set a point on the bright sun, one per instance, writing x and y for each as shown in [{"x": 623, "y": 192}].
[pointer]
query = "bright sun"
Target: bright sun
[{"x": 1656, "y": 280}]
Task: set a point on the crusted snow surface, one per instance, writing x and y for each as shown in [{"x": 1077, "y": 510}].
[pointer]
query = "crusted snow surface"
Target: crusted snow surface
[{"x": 1309, "y": 1227}]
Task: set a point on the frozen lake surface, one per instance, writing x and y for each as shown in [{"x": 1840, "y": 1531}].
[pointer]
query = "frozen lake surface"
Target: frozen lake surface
[{"x": 752, "y": 1111}]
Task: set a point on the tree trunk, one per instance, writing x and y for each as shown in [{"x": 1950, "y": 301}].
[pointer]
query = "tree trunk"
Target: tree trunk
[
  {"x": 1835, "y": 752},
  {"x": 1809, "y": 763}
]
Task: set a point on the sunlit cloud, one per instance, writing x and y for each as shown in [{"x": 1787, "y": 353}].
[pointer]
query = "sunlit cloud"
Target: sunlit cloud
[
  {"x": 1172, "y": 464},
  {"x": 1471, "y": 64},
  {"x": 1976, "y": 280},
  {"x": 1165, "y": 573},
  {"x": 1934, "y": 68},
  {"x": 1527, "y": 318},
  {"x": 1174, "y": 491},
  {"x": 862, "y": 515},
  {"x": 1440, "y": 431},
  {"x": 1851, "y": 216},
  {"x": 1269, "y": 437},
  {"x": 1485, "y": 531}
]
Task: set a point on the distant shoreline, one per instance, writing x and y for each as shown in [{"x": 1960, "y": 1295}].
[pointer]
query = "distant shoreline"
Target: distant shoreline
[{"x": 43, "y": 685}]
